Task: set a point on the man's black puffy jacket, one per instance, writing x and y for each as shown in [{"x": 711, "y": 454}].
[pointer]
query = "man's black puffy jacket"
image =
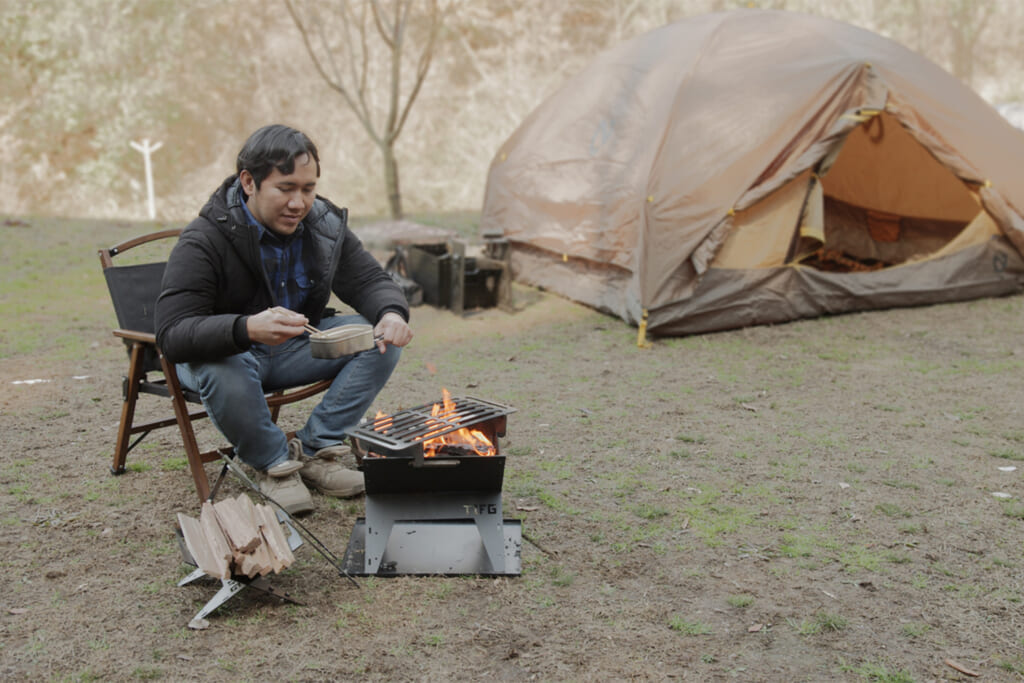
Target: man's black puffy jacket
[{"x": 215, "y": 278}]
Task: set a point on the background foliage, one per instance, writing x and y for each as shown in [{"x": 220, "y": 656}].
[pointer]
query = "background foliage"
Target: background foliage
[{"x": 84, "y": 78}]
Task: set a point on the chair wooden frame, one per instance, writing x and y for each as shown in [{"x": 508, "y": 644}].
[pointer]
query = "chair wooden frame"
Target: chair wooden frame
[{"x": 142, "y": 347}]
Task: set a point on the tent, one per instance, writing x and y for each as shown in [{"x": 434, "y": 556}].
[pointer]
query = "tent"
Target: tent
[{"x": 760, "y": 166}]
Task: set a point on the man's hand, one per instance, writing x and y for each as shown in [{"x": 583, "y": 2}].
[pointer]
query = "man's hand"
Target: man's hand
[
  {"x": 391, "y": 329},
  {"x": 275, "y": 325}
]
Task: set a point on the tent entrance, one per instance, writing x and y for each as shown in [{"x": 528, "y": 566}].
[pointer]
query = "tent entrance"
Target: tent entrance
[
  {"x": 880, "y": 200},
  {"x": 883, "y": 201}
]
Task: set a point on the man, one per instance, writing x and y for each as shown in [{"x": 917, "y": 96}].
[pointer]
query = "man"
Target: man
[{"x": 259, "y": 263}]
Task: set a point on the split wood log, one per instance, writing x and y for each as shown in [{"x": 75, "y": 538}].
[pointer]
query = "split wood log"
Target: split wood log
[
  {"x": 270, "y": 527},
  {"x": 195, "y": 541},
  {"x": 238, "y": 527},
  {"x": 264, "y": 561},
  {"x": 277, "y": 564},
  {"x": 248, "y": 510},
  {"x": 214, "y": 534},
  {"x": 245, "y": 563},
  {"x": 262, "y": 557}
]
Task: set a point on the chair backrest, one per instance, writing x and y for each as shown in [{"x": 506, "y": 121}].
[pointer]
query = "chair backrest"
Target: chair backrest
[{"x": 134, "y": 288}]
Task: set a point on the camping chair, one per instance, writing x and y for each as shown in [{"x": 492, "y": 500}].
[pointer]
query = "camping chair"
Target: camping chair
[{"x": 133, "y": 291}]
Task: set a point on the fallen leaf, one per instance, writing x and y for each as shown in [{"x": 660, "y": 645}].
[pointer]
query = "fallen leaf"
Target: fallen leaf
[
  {"x": 17, "y": 610},
  {"x": 527, "y": 508},
  {"x": 755, "y": 628}
]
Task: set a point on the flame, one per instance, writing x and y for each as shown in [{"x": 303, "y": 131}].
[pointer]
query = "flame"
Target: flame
[
  {"x": 441, "y": 416},
  {"x": 382, "y": 422},
  {"x": 472, "y": 439}
]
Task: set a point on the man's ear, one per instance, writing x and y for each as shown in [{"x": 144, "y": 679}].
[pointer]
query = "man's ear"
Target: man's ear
[{"x": 248, "y": 182}]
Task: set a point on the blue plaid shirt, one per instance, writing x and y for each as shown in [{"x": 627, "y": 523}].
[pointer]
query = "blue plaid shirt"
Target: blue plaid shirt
[{"x": 283, "y": 263}]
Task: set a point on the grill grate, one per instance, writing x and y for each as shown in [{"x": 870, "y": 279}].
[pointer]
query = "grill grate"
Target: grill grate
[{"x": 408, "y": 428}]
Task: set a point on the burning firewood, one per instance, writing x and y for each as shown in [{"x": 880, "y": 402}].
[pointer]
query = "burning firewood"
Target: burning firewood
[{"x": 235, "y": 537}]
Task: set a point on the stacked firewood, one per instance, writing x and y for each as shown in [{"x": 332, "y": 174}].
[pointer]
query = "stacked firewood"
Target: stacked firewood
[{"x": 234, "y": 537}]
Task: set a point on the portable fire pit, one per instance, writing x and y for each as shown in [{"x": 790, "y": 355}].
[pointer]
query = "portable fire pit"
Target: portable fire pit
[{"x": 433, "y": 493}]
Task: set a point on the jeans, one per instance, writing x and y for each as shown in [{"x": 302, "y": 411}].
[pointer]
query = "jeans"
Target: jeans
[{"x": 233, "y": 388}]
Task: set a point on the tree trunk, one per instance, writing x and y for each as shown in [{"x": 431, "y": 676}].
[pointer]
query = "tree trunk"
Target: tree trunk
[{"x": 391, "y": 179}]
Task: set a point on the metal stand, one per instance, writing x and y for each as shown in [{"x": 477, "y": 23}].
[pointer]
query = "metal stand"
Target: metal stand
[
  {"x": 231, "y": 587},
  {"x": 435, "y": 533}
]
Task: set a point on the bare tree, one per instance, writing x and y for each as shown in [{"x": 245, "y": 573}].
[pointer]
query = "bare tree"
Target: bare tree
[{"x": 345, "y": 58}]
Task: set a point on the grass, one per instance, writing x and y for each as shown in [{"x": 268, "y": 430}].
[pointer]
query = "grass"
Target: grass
[
  {"x": 27, "y": 304},
  {"x": 740, "y": 601},
  {"x": 648, "y": 511},
  {"x": 1011, "y": 666},
  {"x": 879, "y": 672},
  {"x": 914, "y": 629},
  {"x": 1007, "y": 454},
  {"x": 174, "y": 464},
  {"x": 822, "y": 622},
  {"x": 891, "y": 510},
  {"x": 797, "y": 545},
  {"x": 688, "y": 627},
  {"x": 1013, "y": 509},
  {"x": 561, "y": 577},
  {"x": 857, "y": 557}
]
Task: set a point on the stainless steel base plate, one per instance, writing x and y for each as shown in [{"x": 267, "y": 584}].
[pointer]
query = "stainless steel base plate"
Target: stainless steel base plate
[{"x": 435, "y": 547}]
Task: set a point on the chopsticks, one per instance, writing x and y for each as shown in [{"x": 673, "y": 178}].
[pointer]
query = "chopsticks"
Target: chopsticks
[{"x": 311, "y": 329}]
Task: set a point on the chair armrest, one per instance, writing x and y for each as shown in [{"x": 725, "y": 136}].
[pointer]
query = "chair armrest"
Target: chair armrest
[
  {"x": 144, "y": 337},
  {"x": 284, "y": 397}
]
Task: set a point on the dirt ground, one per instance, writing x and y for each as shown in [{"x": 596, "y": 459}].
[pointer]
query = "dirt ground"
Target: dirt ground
[{"x": 805, "y": 502}]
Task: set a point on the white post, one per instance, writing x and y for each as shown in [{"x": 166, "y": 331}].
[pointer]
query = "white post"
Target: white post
[{"x": 148, "y": 150}]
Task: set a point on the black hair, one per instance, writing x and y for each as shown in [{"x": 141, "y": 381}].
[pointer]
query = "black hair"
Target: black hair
[{"x": 274, "y": 146}]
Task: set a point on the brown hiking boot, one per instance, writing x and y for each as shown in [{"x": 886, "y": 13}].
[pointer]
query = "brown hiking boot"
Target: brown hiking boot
[
  {"x": 325, "y": 471},
  {"x": 288, "y": 491},
  {"x": 339, "y": 452}
]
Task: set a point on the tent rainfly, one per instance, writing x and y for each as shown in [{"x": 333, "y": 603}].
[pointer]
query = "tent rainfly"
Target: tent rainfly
[{"x": 759, "y": 166}]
